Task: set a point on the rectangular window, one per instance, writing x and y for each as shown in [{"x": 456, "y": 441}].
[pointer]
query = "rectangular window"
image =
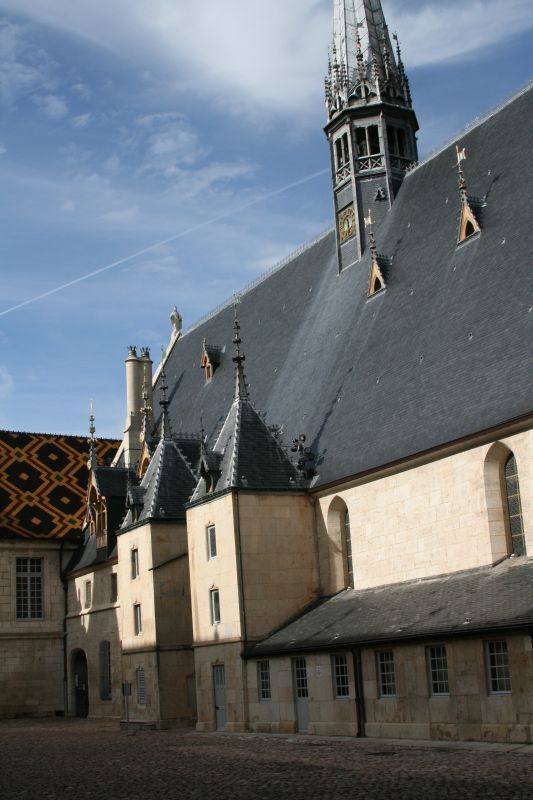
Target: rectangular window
[
  {"x": 211, "y": 542},
  {"x": 498, "y": 673},
  {"x": 437, "y": 662},
  {"x": 385, "y": 671},
  {"x": 134, "y": 563},
  {"x": 113, "y": 590},
  {"x": 137, "y": 619},
  {"x": 340, "y": 673},
  {"x": 29, "y": 602},
  {"x": 105, "y": 671},
  {"x": 140, "y": 685},
  {"x": 300, "y": 677},
  {"x": 214, "y": 598},
  {"x": 263, "y": 680},
  {"x": 88, "y": 594}
]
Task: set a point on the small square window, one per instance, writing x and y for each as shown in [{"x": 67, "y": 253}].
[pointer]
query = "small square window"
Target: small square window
[
  {"x": 211, "y": 542},
  {"x": 340, "y": 673},
  {"x": 137, "y": 619},
  {"x": 437, "y": 662},
  {"x": 385, "y": 671},
  {"x": 214, "y": 598},
  {"x": 498, "y": 672},
  {"x": 134, "y": 563},
  {"x": 88, "y": 594},
  {"x": 263, "y": 680}
]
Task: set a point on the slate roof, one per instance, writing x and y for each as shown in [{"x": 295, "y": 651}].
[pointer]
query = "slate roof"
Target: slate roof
[
  {"x": 443, "y": 352},
  {"x": 461, "y": 603},
  {"x": 166, "y": 486},
  {"x": 111, "y": 481},
  {"x": 43, "y": 483}
]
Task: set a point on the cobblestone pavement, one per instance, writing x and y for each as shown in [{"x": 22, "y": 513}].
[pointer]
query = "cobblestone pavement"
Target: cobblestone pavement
[{"x": 71, "y": 759}]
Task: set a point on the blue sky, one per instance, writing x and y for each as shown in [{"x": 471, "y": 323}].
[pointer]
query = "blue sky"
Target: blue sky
[{"x": 126, "y": 122}]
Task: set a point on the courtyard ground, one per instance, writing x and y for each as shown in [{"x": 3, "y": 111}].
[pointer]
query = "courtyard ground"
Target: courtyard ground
[{"x": 71, "y": 759}]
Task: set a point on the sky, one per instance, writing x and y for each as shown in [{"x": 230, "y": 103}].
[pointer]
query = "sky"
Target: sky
[{"x": 174, "y": 151}]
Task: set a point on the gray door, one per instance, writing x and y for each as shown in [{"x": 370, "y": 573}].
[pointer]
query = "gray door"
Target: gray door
[
  {"x": 219, "y": 684},
  {"x": 301, "y": 694}
]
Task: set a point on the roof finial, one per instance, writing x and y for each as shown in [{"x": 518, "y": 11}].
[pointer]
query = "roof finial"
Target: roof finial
[
  {"x": 146, "y": 409},
  {"x": 404, "y": 80},
  {"x": 166, "y": 433},
  {"x": 461, "y": 156},
  {"x": 92, "y": 462},
  {"x": 241, "y": 390},
  {"x": 368, "y": 224}
]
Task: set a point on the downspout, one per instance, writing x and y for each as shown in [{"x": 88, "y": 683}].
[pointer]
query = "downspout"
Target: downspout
[{"x": 360, "y": 709}]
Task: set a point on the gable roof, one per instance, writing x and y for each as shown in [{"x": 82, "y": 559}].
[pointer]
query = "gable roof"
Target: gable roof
[
  {"x": 442, "y": 353},
  {"x": 458, "y": 604},
  {"x": 43, "y": 483}
]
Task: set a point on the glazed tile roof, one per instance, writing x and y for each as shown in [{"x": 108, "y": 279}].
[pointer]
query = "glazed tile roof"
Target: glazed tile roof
[
  {"x": 458, "y": 604},
  {"x": 43, "y": 483}
]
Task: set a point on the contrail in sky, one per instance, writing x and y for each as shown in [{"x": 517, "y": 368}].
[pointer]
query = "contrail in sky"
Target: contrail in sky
[{"x": 176, "y": 236}]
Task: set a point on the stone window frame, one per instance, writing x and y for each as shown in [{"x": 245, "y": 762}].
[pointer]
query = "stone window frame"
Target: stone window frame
[
  {"x": 497, "y": 667},
  {"x": 137, "y": 619},
  {"x": 211, "y": 541},
  {"x": 113, "y": 587},
  {"x": 87, "y": 593},
  {"x": 214, "y": 605},
  {"x": 385, "y": 673},
  {"x": 106, "y": 679},
  {"x": 515, "y": 517},
  {"x": 341, "y": 676},
  {"x": 264, "y": 685},
  {"x": 140, "y": 686},
  {"x": 29, "y": 588},
  {"x": 437, "y": 670},
  {"x": 134, "y": 561}
]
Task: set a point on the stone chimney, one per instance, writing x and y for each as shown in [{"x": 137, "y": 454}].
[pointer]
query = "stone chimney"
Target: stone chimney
[{"x": 133, "y": 424}]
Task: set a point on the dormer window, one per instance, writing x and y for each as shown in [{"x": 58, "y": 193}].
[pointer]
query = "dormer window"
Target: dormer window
[
  {"x": 210, "y": 360},
  {"x": 469, "y": 225},
  {"x": 377, "y": 281}
]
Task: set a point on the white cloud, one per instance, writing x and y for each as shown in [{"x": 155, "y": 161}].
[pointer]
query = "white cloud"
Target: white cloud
[
  {"x": 54, "y": 107},
  {"x": 23, "y": 69},
  {"x": 433, "y": 32},
  {"x": 82, "y": 120},
  {"x": 7, "y": 384}
]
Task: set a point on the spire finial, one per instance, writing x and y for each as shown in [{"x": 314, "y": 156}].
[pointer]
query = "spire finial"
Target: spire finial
[
  {"x": 368, "y": 224},
  {"x": 401, "y": 70},
  {"x": 146, "y": 409},
  {"x": 241, "y": 390},
  {"x": 461, "y": 156},
  {"x": 166, "y": 433},
  {"x": 92, "y": 462}
]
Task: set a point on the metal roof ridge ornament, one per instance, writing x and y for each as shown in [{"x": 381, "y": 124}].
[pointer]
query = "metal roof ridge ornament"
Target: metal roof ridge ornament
[
  {"x": 241, "y": 389},
  {"x": 166, "y": 433},
  {"x": 92, "y": 463}
]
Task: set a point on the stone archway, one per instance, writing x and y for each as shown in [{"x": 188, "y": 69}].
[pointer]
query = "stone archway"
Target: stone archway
[{"x": 80, "y": 682}]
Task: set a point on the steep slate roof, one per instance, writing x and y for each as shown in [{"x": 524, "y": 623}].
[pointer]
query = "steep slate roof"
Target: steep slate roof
[
  {"x": 43, "y": 483},
  {"x": 166, "y": 486},
  {"x": 443, "y": 352},
  {"x": 462, "y": 603}
]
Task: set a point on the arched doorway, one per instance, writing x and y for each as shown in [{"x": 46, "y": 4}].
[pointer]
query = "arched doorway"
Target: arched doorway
[{"x": 80, "y": 679}]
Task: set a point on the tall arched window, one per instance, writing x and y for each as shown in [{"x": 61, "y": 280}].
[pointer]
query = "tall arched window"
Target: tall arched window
[
  {"x": 348, "y": 549},
  {"x": 514, "y": 506}
]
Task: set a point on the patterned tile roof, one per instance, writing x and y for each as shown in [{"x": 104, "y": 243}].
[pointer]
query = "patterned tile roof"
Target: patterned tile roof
[{"x": 43, "y": 483}]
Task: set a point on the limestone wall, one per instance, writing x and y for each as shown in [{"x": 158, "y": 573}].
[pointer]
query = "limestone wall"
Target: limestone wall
[{"x": 433, "y": 518}]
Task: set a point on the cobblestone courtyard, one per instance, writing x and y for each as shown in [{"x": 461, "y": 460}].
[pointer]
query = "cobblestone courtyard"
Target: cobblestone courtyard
[{"x": 88, "y": 759}]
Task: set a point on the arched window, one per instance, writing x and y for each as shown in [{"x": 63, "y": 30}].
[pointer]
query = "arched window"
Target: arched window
[
  {"x": 514, "y": 506},
  {"x": 348, "y": 549}
]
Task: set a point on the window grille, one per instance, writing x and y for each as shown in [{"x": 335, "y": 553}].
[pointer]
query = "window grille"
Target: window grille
[
  {"x": 211, "y": 542},
  {"x": 300, "y": 677},
  {"x": 386, "y": 676},
  {"x": 141, "y": 686},
  {"x": 137, "y": 619},
  {"x": 134, "y": 563},
  {"x": 438, "y": 669},
  {"x": 499, "y": 676},
  {"x": 29, "y": 599},
  {"x": 105, "y": 670},
  {"x": 340, "y": 672},
  {"x": 514, "y": 506},
  {"x": 214, "y": 598},
  {"x": 263, "y": 680}
]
